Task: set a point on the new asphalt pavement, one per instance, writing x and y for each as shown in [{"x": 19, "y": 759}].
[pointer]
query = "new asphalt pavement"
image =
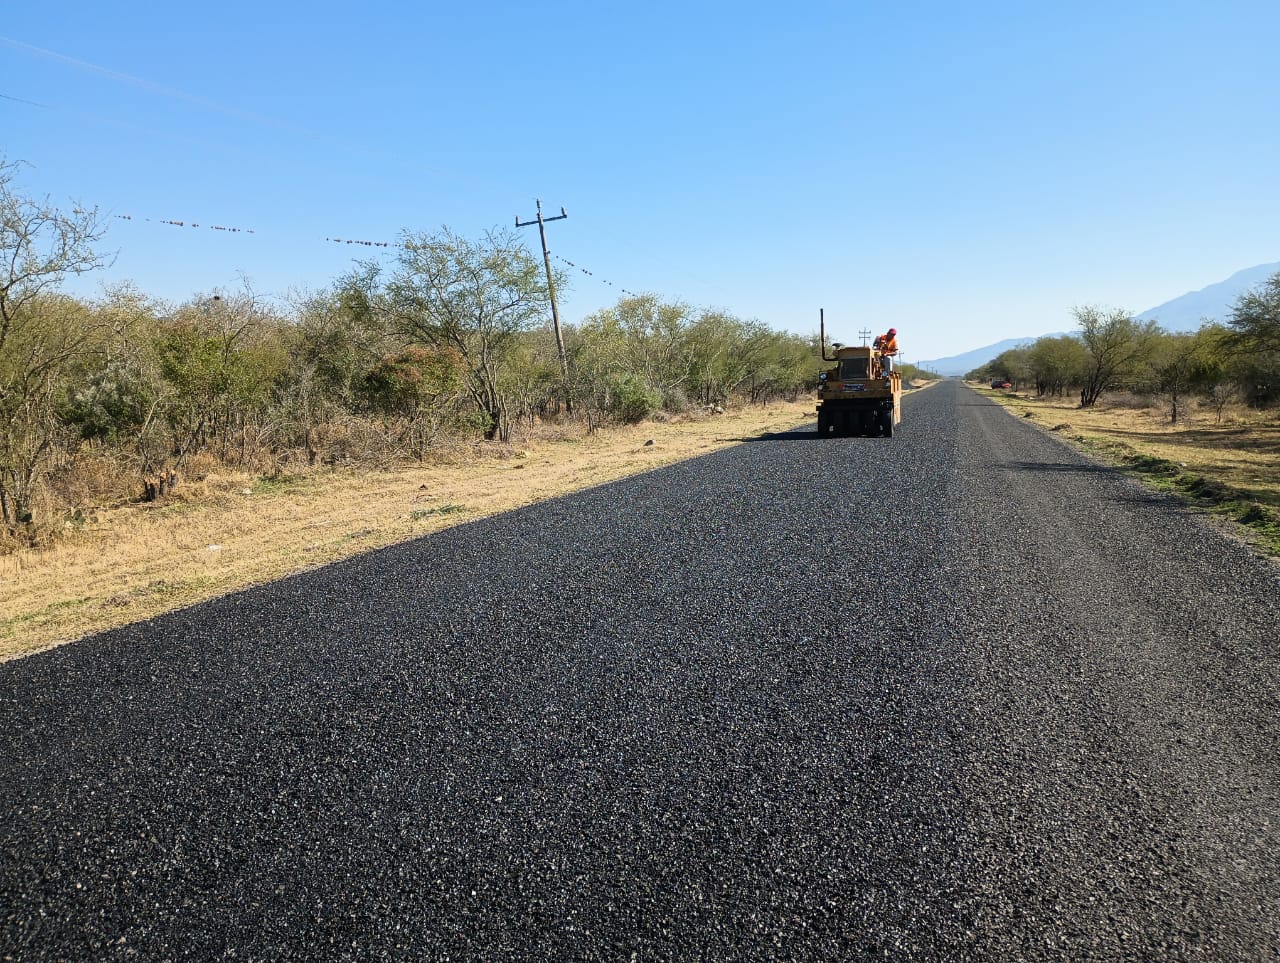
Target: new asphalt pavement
[{"x": 961, "y": 694}]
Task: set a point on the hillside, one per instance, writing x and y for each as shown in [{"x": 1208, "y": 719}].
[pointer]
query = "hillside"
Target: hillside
[
  {"x": 959, "y": 364},
  {"x": 1184, "y": 313},
  {"x": 1212, "y": 303}
]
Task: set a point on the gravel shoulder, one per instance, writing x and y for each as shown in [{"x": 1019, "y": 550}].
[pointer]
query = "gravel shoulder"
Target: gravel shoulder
[{"x": 1125, "y": 655}]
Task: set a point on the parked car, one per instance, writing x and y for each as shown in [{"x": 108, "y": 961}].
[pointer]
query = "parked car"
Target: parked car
[{"x": 1001, "y": 384}]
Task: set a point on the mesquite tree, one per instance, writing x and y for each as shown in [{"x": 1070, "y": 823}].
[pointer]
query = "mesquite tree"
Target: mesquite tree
[
  {"x": 41, "y": 334},
  {"x": 1115, "y": 343},
  {"x": 474, "y": 297}
]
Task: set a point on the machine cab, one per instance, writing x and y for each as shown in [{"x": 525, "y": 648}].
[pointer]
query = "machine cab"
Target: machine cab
[{"x": 855, "y": 364}]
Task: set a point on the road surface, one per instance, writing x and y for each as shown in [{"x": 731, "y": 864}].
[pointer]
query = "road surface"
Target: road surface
[{"x": 958, "y": 694}]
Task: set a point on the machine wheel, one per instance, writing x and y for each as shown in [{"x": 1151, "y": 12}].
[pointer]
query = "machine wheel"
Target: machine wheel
[
  {"x": 824, "y": 423},
  {"x": 886, "y": 424}
]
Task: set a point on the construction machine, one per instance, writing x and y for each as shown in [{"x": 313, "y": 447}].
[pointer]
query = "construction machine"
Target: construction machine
[{"x": 861, "y": 395}]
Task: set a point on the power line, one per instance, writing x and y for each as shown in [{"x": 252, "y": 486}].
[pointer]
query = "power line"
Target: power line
[
  {"x": 592, "y": 274},
  {"x": 30, "y": 103},
  {"x": 174, "y": 222},
  {"x": 406, "y": 245}
]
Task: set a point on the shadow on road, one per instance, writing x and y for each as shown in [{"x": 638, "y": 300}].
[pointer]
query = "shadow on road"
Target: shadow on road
[
  {"x": 806, "y": 433},
  {"x": 1055, "y": 467},
  {"x": 798, "y": 434}
]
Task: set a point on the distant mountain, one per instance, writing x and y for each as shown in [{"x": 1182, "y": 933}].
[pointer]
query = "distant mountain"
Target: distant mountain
[
  {"x": 1183, "y": 313},
  {"x": 959, "y": 364},
  {"x": 1213, "y": 303}
]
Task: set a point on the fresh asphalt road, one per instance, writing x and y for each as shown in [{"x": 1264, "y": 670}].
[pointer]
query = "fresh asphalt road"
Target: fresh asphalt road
[{"x": 958, "y": 694}]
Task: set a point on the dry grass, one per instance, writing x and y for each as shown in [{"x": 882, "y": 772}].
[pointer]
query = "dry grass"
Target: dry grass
[
  {"x": 228, "y": 531},
  {"x": 1229, "y": 465}
]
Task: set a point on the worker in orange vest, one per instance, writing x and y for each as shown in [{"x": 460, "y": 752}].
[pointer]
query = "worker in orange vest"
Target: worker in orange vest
[{"x": 887, "y": 345}]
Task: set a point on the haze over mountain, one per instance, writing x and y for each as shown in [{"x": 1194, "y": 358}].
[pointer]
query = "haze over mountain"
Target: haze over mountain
[
  {"x": 1183, "y": 313},
  {"x": 958, "y": 364},
  {"x": 1212, "y": 303}
]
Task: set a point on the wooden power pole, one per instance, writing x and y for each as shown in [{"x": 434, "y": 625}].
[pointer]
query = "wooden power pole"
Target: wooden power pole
[{"x": 551, "y": 289}]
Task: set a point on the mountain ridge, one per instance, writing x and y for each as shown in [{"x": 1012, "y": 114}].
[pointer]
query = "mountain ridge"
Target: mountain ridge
[{"x": 1183, "y": 313}]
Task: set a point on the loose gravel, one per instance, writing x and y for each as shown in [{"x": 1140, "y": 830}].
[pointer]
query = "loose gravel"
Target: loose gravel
[{"x": 956, "y": 695}]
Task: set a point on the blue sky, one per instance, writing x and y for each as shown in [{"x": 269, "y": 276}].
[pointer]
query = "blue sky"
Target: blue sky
[{"x": 964, "y": 172}]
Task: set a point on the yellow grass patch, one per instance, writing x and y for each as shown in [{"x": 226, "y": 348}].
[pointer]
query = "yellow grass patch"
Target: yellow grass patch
[{"x": 229, "y": 531}]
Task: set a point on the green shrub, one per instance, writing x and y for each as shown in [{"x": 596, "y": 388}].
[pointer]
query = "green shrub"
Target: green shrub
[{"x": 631, "y": 400}]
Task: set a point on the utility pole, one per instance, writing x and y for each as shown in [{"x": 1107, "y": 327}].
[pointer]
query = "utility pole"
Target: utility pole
[
  {"x": 865, "y": 335},
  {"x": 551, "y": 289}
]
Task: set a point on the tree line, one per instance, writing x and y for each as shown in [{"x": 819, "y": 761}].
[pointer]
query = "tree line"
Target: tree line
[
  {"x": 450, "y": 340},
  {"x": 1221, "y": 363}
]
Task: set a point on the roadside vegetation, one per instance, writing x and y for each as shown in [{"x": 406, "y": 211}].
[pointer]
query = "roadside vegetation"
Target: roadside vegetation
[
  {"x": 1195, "y": 414},
  {"x": 127, "y": 399}
]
